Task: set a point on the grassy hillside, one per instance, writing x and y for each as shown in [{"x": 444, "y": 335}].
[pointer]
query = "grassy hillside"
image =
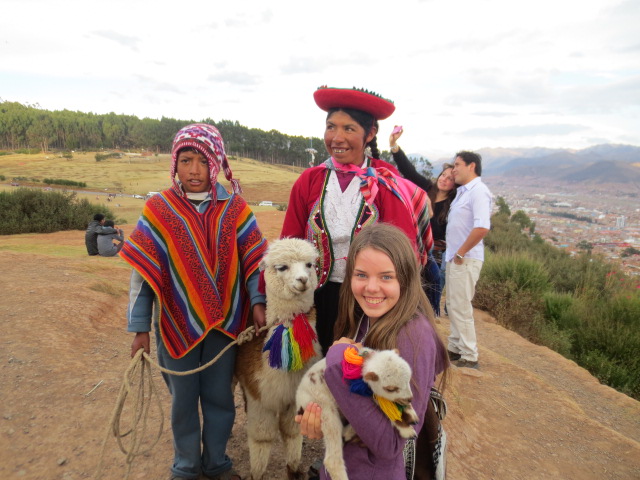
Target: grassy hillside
[{"x": 138, "y": 175}]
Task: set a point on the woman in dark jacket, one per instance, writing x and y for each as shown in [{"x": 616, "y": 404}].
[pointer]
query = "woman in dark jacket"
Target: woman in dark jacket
[{"x": 441, "y": 193}]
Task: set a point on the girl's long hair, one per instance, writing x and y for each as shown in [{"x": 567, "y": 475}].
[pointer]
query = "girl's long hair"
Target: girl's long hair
[
  {"x": 383, "y": 335},
  {"x": 433, "y": 192}
]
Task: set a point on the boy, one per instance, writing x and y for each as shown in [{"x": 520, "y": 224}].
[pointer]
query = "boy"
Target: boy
[{"x": 196, "y": 251}]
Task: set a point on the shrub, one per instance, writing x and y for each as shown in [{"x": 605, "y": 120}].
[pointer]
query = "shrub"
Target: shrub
[
  {"x": 551, "y": 336},
  {"x": 282, "y": 207},
  {"x": 35, "y": 211},
  {"x": 511, "y": 287}
]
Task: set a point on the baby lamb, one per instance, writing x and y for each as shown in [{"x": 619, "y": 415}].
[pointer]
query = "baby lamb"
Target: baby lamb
[
  {"x": 270, "y": 368},
  {"x": 387, "y": 375}
]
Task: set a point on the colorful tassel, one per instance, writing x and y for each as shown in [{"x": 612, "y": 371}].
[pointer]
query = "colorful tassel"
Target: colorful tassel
[
  {"x": 290, "y": 347},
  {"x": 391, "y": 409},
  {"x": 352, "y": 362}
]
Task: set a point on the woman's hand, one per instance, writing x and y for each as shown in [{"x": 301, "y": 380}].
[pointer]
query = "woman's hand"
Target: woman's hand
[
  {"x": 310, "y": 421},
  {"x": 393, "y": 138}
]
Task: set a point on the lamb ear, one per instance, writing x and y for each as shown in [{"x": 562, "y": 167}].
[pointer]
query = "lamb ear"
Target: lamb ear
[
  {"x": 397, "y": 351},
  {"x": 371, "y": 377}
]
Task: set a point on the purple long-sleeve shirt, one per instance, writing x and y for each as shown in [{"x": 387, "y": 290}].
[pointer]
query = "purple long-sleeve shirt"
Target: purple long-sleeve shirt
[{"x": 382, "y": 458}]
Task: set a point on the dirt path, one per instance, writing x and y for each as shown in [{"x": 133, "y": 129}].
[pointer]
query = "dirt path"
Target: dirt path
[{"x": 527, "y": 414}]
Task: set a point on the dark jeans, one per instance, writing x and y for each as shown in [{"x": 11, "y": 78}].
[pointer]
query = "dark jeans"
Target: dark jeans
[
  {"x": 326, "y": 299},
  {"x": 432, "y": 284}
]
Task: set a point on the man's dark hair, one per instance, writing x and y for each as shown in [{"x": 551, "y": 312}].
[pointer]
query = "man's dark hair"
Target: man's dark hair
[
  {"x": 109, "y": 223},
  {"x": 99, "y": 217},
  {"x": 471, "y": 157}
]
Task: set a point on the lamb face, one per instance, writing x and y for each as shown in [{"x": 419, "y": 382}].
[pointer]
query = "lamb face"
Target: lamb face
[{"x": 388, "y": 375}]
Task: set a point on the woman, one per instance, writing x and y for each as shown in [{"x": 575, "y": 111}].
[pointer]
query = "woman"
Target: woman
[
  {"x": 329, "y": 204},
  {"x": 382, "y": 306},
  {"x": 441, "y": 194}
]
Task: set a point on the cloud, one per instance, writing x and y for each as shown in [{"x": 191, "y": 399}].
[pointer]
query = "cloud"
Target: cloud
[
  {"x": 235, "y": 78},
  {"x": 158, "y": 86},
  {"x": 124, "y": 40},
  {"x": 524, "y": 130}
]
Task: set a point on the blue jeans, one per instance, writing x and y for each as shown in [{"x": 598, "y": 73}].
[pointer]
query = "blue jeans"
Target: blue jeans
[
  {"x": 211, "y": 389},
  {"x": 432, "y": 281}
]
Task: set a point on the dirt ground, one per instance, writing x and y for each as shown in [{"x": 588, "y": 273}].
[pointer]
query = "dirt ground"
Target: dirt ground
[{"x": 528, "y": 413}]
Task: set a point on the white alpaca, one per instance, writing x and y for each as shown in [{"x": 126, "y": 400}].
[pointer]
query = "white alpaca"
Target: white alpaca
[
  {"x": 290, "y": 280},
  {"x": 387, "y": 374}
]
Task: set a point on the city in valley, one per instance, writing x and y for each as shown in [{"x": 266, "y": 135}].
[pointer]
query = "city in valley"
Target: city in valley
[{"x": 576, "y": 216}]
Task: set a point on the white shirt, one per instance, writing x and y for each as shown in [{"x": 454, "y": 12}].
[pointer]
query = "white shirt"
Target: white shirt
[{"x": 470, "y": 209}]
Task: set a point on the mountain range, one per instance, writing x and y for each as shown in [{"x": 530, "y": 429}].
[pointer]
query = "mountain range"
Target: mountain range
[{"x": 606, "y": 163}]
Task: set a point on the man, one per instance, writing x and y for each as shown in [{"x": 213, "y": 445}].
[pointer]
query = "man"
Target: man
[
  {"x": 106, "y": 247},
  {"x": 468, "y": 223},
  {"x": 95, "y": 228}
]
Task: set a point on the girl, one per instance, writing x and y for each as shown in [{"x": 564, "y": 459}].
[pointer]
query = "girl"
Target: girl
[{"x": 382, "y": 306}]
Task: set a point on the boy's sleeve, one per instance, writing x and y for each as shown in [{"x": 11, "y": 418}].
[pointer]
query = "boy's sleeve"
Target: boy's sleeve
[{"x": 140, "y": 309}]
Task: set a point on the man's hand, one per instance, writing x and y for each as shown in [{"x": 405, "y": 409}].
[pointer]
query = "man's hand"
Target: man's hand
[{"x": 141, "y": 340}]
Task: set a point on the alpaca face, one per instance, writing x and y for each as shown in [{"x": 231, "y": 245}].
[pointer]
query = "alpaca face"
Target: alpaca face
[
  {"x": 289, "y": 268},
  {"x": 388, "y": 375}
]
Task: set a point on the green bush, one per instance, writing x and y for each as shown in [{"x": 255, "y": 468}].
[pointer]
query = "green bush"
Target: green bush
[
  {"x": 68, "y": 183},
  {"x": 551, "y": 336},
  {"x": 511, "y": 287},
  {"x": 35, "y": 211}
]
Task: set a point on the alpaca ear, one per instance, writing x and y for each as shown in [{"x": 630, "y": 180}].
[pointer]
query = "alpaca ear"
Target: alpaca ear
[{"x": 371, "y": 377}]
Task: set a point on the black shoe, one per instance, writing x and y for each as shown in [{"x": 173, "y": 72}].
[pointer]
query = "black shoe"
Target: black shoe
[
  {"x": 454, "y": 356},
  {"x": 466, "y": 364}
]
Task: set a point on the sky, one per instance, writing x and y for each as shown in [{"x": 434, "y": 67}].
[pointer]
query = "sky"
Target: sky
[{"x": 463, "y": 74}]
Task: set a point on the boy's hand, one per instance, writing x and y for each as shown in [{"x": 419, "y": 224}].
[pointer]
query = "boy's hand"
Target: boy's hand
[
  {"x": 141, "y": 340},
  {"x": 259, "y": 318}
]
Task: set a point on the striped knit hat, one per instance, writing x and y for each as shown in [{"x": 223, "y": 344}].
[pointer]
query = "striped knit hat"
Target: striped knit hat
[{"x": 208, "y": 141}]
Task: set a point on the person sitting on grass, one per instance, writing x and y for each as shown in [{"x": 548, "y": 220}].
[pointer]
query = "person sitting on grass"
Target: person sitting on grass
[{"x": 106, "y": 247}]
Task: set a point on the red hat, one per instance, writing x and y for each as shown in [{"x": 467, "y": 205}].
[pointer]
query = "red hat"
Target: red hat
[{"x": 372, "y": 103}]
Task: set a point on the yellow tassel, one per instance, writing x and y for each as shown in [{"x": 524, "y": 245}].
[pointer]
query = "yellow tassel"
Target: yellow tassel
[
  {"x": 296, "y": 357},
  {"x": 389, "y": 408}
]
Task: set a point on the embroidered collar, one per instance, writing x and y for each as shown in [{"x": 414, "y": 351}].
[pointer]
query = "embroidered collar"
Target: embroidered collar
[
  {"x": 352, "y": 372},
  {"x": 291, "y": 347}
]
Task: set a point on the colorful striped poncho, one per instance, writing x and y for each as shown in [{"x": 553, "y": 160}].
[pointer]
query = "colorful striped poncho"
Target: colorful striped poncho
[{"x": 198, "y": 265}]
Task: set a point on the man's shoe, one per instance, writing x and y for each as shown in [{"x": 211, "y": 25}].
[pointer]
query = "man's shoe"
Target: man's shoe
[
  {"x": 453, "y": 356},
  {"x": 462, "y": 363}
]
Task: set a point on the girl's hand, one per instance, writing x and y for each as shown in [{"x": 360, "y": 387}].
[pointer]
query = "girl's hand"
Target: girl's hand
[
  {"x": 346, "y": 340},
  {"x": 310, "y": 421}
]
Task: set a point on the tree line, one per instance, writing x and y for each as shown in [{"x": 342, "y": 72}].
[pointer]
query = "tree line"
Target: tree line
[{"x": 29, "y": 126}]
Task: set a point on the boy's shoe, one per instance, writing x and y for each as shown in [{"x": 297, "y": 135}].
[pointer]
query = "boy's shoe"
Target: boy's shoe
[
  {"x": 465, "y": 364},
  {"x": 228, "y": 475},
  {"x": 453, "y": 356}
]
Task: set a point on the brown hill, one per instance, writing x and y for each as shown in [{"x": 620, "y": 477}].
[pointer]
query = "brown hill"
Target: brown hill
[{"x": 527, "y": 414}]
